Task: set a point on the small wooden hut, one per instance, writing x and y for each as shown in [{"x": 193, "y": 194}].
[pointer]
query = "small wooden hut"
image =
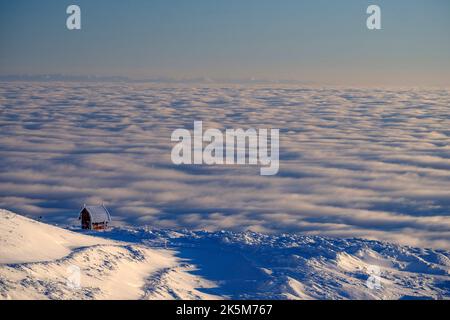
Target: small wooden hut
[{"x": 94, "y": 217}]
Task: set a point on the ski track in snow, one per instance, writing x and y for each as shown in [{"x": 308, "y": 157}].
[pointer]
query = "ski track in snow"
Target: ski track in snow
[{"x": 138, "y": 263}]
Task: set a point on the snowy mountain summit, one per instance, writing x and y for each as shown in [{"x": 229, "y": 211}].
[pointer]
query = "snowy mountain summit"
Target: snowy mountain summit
[{"x": 40, "y": 261}]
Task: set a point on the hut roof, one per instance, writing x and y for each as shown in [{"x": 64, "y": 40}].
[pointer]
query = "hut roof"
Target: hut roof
[{"x": 98, "y": 213}]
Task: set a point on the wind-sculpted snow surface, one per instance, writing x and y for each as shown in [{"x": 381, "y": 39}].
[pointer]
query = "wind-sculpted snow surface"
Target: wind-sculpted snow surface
[
  {"x": 93, "y": 268},
  {"x": 138, "y": 263},
  {"x": 371, "y": 163},
  {"x": 256, "y": 266}
]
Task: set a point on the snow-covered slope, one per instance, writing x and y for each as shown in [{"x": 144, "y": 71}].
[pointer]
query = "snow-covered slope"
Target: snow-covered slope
[
  {"x": 40, "y": 261},
  {"x": 26, "y": 240},
  {"x": 137, "y": 263},
  {"x": 256, "y": 266}
]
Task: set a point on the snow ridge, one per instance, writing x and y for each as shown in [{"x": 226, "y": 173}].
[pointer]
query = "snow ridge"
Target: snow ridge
[{"x": 139, "y": 263}]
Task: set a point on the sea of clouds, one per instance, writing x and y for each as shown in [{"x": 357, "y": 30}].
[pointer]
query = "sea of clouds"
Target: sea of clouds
[{"x": 353, "y": 162}]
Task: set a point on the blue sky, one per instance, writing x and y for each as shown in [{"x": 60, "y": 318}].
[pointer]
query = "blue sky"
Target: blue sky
[{"x": 319, "y": 41}]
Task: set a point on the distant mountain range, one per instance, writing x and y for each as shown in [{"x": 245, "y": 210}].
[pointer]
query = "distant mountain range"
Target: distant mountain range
[{"x": 95, "y": 78}]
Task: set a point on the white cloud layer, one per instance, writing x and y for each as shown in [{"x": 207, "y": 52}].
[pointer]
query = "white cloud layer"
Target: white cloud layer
[{"x": 353, "y": 162}]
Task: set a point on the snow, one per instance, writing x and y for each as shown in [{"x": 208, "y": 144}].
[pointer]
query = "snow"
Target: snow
[
  {"x": 139, "y": 263},
  {"x": 36, "y": 259},
  {"x": 25, "y": 240},
  {"x": 98, "y": 214}
]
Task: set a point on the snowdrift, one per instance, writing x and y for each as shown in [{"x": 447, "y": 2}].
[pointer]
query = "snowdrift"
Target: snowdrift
[{"x": 36, "y": 261}]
